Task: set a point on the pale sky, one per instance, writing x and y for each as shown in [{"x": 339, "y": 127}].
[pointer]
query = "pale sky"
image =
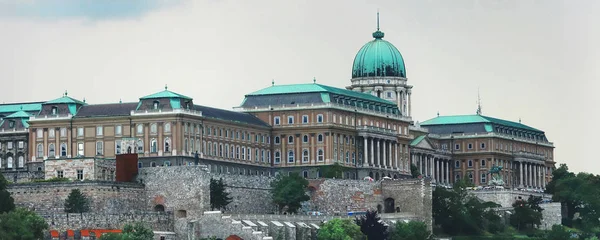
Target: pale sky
[{"x": 531, "y": 59}]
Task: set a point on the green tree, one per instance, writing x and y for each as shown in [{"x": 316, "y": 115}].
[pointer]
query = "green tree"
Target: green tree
[
  {"x": 137, "y": 231},
  {"x": 219, "y": 198},
  {"x": 289, "y": 191},
  {"x": 22, "y": 224},
  {"x": 558, "y": 232},
  {"x": 7, "y": 203},
  {"x": 77, "y": 202},
  {"x": 412, "y": 230},
  {"x": 340, "y": 229},
  {"x": 333, "y": 171},
  {"x": 414, "y": 171},
  {"x": 527, "y": 214},
  {"x": 371, "y": 226}
]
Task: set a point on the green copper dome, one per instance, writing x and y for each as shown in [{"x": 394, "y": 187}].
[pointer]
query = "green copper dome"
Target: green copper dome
[{"x": 378, "y": 58}]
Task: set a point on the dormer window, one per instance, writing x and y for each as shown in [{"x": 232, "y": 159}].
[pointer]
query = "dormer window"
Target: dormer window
[
  {"x": 155, "y": 105},
  {"x": 11, "y": 124},
  {"x": 54, "y": 110}
]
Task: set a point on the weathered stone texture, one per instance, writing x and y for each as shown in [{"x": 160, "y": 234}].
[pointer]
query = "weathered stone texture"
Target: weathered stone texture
[
  {"x": 337, "y": 197},
  {"x": 551, "y": 215},
  {"x": 105, "y": 197},
  {"x": 64, "y": 221},
  {"x": 215, "y": 224},
  {"x": 250, "y": 194},
  {"x": 506, "y": 197}
]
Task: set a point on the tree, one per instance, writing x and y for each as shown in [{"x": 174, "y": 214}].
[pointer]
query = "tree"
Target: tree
[
  {"x": 289, "y": 191},
  {"x": 137, "y": 231},
  {"x": 7, "y": 203},
  {"x": 371, "y": 226},
  {"x": 414, "y": 171},
  {"x": 219, "y": 198},
  {"x": 558, "y": 232},
  {"x": 340, "y": 229},
  {"x": 76, "y": 202},
  {"x": 412, "y": 230},
  {"x": 333, "y": 171},
  {"x": 22, "y": 224},
  {"x": 527, "y": 214}
]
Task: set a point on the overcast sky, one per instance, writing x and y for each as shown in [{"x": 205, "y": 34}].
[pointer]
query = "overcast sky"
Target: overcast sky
[{"x": 531, "y": 59}]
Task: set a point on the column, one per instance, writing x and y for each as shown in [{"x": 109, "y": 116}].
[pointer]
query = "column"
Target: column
[
  {"x": 409, "y": 104},
  {"x": 399, "y": 100},
  {"x": 365, "y": 151},
  {"x": 447, "y": 177},
  {"x": 383, "y": 156},
  {"x": 432, "y": 166},
  {"x": 391, "y": 161},
  {"x": 396, "y": 157},
  {"x": 372, "y": 154},
  {"x": 544, "y": 179},
  {"x": 421, "y": 165},
  {"x": 378, "y": 155},
  {"x": 536, "y": 176},
  {"x": 521, "y": 178}
]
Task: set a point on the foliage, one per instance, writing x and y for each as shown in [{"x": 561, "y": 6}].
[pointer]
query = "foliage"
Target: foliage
[
  {"x": 412, "y": 230},
  {"x": 414, "y": 171},
  {"x": 458, "y": 212},
  {"x": 22, "y": 224},
  {"x": 289, "y": 191},
  {"x": 371, "y": 227},
  {"x": 211, "y": 238},
  {"x": 7, "y": 203},
  {"x": 333, "y": 171},
  {"x": 76, "y": 202},
  {"x": 219, "y": 198},
  {"x": 340, "y": 229},
  {"x": 137, "y": 231},
  {"x": 527, "y": 214},
  {"x": 54, "y": 179},
  {"x": 558, "y": 232}
]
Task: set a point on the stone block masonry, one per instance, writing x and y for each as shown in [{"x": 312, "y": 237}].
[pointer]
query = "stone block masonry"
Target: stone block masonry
[
  {"x": 105, "y": 197},
  {"x": 551, "y": 215},
  {"x": 62, "y": 222}
]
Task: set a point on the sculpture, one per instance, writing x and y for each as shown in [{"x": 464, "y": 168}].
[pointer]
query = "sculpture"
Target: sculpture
[{"x": 496, "y": 177}]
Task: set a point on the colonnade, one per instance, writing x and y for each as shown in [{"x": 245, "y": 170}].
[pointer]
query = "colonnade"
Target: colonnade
[
  {"x": 403, "y": 101},
  {"x": 532, "y": 174},
  {"x": 383, "y": 153},
  {"x": 430, "y": 165}
]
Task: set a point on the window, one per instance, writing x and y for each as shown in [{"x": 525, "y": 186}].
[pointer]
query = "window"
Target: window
[
  {"x": 320, "y": 155},
  {"x": 482, "y": 146},
  {"x": 155, "y": 105},
  {"x": 457, "y": 146},
  {"x": 457, "y": 178},
  {"x": 276, "y": 120},
  {"x": 290, "y": 139},
  {"x": 277, "y": 157},
  {"x": 9, "y": 162},
  {"x": 99, "y": 131},
  {"x": 80, "y": 132},
  {"x": 470, "y": 146},
  {"x": 140, "y": 129},
  {"x": 304, "y": 119},
  {"x": 262, "y": 156},
  {"x": 99, "y": 148},
  {"x": 140, "y": 165},
  {"x": 483, "y": 162},
  {"x": 140, "y": 146},
  {"x": 457, "y": 164},
  {"x": 168, "y": 128},
  {"x": 347, "y": 157},
  {"x": 305, "y": 155},
  {"x": 483, "y": 176},
  {"x": 320, "y": 138},
  {"x": 243, "y": 153},
  {"x": 250, "y": 154},
  {"x": 445, "y": 146},
  {"x": 353, "y": 157},
  {"x": 118, "y": 130},
  {"x": 51, "y": 150},
  {"x": 51, "y": 133},
  {"x": 305, "y": 139},
  {"x": 21, "y": 144},
  {"x": 11, "y": 124},
  {"x": 168, "y": 145},
  {"x": 40, "y": 133},
  {"x": 320, "y": 118},
  {"x": 79, "y": 174},
  {"x": 471, "y": 177},
  {"x": 118, "y": 147},
  {"x": 470, "y": 163},
  {"x": 237, "y": 152},
  {"x": 290, "y": 119},
  {"x": 40, "y": 150},
  {"x": 21, "y": 161},
  {"x": 167, "y": 164},
  {"x": 59, "y": 174},
  {"x": 54, "y": 110},
  {"x": 154, "y": 146},
  {"x": 9, "y": 145},
  {"x": 389, "y": 95},
  {"x": 153, "y": 128},
  {"x": 80, "y": 149},
  {"x": 268, "y": 156},
  {"x": 277, "y": 140},
  {"x": 290, "y": 156}
]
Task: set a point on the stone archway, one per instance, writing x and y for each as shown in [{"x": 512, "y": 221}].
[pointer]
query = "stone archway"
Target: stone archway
[
  {"x": 159, "y": 208},
  {"x": 389, "y": 205},
  {"x": 371, "y": 174},
  {"x": 376, "y": 176}
]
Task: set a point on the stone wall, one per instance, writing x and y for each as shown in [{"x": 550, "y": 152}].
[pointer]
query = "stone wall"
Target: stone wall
[
  {"x": 250, "y": 194},
  {"x": 105, "y": 197},
  {"x": 506, "y": 197},
  {"x": 63, "y": 221},
  {"x": 214, "y": 224},
  {"x": 338, "y": 197},
  {"x": 551, "y": 215},
  {"x": 408, "y": 196}
]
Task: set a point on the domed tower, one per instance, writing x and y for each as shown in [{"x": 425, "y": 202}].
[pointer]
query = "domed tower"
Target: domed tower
[{"x": 379, "y": 70}]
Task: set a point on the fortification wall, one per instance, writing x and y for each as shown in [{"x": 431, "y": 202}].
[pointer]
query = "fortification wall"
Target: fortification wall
[
  {"x": 337, "y": 197},
  {"x": 62, "y": 222},
  {"x": 506, "y": 197},
  {"x": 105, "y": 197},
  {"x": 551, "y": 215}
]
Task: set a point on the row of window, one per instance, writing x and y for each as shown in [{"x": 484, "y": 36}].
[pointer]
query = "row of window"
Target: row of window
[
  {"x": 305, "y": 157},
  {"x": 522, "y": 134},
  {"x": 348, "y": 121},
  {"x": 10, "y": 145},
  {"x": 10, "y": 163},
  {"x": 100, "y": 130},
  {"x": 305, "y": 119},
  {"x": 237, "y": 135},
  {"x": 236, "y": 152}
]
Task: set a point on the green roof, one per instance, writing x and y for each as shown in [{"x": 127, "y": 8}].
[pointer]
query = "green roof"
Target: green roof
[
  {"x": 29, "y": 107},
  {"x": 165, "y": 94},
  {"x": 65, "y": 99},
  {"x": 417, "y": 140},
  {"x": 314, "y": 87},
  {"x": 465, "y": 119},
  {"x": 19, "y": 114}
]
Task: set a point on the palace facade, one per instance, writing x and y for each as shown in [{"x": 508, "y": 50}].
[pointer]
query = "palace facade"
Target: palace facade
[{"x": 366, "y": 127}]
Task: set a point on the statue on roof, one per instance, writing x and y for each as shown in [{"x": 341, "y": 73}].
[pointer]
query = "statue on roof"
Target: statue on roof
[{"x": 495, "y": 176}]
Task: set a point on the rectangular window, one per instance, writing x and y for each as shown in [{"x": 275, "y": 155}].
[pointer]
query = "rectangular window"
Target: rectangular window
[
  {"x": 482, "y": 145},
  {"x": 80, "y": 150},
  {"x": 21, "y": 145},
  {"x": 9, "y": 145},
  {"x": 80, "y": 132},
  {"x": 51, "y": 133},
  {"x": 118, "y": 146},
  {"x": 320, "y": 118},
  {"x": 483, "y": 162},
  {"x": 99, "y": 148},
  {"x": 59, "y": 174},
  {"x": 290, "y": 119},
  {"x": 80, "y": 174},
  {"x": 457, "y": 147},
  {"x": 470, "y": 146},
  {"x": 118, "y": 130},
  {"x": 63, "y": 132},
  {"x": 39, "y": 133},
  {"x": 276, "y": 121},
  {"x": 99, "y": 131},
  {"x": 304, "y": 119}
]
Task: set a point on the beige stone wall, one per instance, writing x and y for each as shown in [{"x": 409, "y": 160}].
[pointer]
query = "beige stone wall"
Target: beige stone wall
[{"x": 69, "y": 168}]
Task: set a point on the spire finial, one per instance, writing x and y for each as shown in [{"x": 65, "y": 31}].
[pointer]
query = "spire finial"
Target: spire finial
[
  {"x": 314, "y": 80},
  {"x": 519, "y": 120},
  {"x": 66, "y": 93},
  {"x": 273, "y": 82},
  {"x": 166, "y": 87},
  {"x": 120, "y": 101},
  {"x": 378, "y": 34},
  {"x": 478, "y": 103},
  {"x": 83, "y": 100},
  {"x": 438, "y": 113},
  {"x": 378, "y": 19}
]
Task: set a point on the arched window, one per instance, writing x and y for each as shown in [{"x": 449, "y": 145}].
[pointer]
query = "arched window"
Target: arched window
[
  {"x": 153, "y": 146},
  {"x": 9, "y": 162},
  {"x": 305, "y": 139},
  {"x": 277, "y": 140},
  {"x": 220, "y": 150},
  {"x": 153, "y": 128},
  {"x": 320, "y": 155},
  {"x": 290, "y": 139},
  {"x": 290, "y": 156},
  {"x": 21, "y": 161},
  {"x": 51, "y": 150},
  {"x": 167, "y": 127},
  {"x": 167, "y": 144},
  {"x": 347, "y": 157},
  {"x": 40, "y": 150},
  {"x": 320, "y": 138},
  {"x": 140, "y": 146},
  {"x": 152, "y": 164},
  {"x": 63, "y": 149},
  {"x": 262, "y": 155},
  {"x": 277, "y": 157},
  {"x": 305, "y": 155},
  {"x": 305, "y": 174}
]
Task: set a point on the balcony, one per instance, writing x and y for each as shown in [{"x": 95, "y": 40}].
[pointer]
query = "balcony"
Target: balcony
[
  {"x": 528, "y": 155},
  {"x": 166, "y": 112},
  {"x": 490, "y": 134},
  {"x": 377, "y": 132},
  {"x": 13, "y": 130},
  {"x": 50, "y": 117}
]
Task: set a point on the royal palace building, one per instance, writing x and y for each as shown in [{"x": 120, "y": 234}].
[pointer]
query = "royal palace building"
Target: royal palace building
[{"x": 366, "y": 127}]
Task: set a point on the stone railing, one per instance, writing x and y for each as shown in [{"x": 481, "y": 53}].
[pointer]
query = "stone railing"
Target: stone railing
[
  {"x": 315, "y": 218},
  {"x": 512, "y": 191},
  {"x": 529, "y": 155},
  {"x": 490, "y": 134},
  {"x": 50, "y": 117},
  {"x": 378, "y": 130},
  {"x": 14, "y": 130},
  {"x": 162, "y": 112}
]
